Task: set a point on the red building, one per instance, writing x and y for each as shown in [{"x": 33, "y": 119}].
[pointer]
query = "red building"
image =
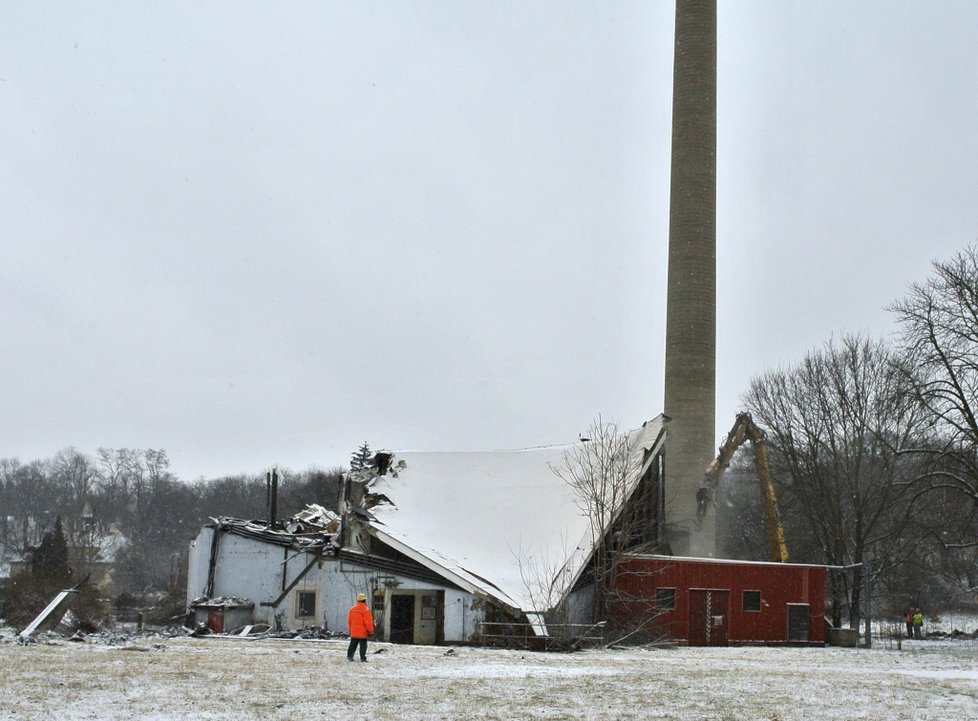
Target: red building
[{"x": 714, "y": 602}]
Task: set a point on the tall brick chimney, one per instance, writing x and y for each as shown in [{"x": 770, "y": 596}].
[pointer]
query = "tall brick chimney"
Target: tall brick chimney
[{"x": 690, "y": 369}]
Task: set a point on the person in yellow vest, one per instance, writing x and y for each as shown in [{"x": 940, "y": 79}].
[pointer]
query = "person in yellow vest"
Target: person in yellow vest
[
  {"x": 361, "y": 623},
  {"x": 918, "y": 623}
]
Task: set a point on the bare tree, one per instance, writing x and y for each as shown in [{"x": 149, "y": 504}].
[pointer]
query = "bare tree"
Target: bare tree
[
  {"x": 127, "y": 506},
  {"x": 121, "y": 472},
  {"x": 600, "y": 473},
  {"x": 75, "y": 478},
  {"x": 31, "y": 500},
  {"x": 547, "y": 580},
  {"x": 939, "y": 325},
  {"x": 837, "y": 423},
  {"x": 620, "y": 506}
]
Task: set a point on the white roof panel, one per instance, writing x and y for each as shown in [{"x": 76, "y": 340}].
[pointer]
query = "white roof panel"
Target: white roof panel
[{"x": 476, "y": 514}]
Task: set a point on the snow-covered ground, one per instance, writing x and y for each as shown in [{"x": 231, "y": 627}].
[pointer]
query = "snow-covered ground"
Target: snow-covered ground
[
  {"x": 942, "y": 624},
  {"x": 221, "y": 678},
  {"x": 951, "y": 621}
]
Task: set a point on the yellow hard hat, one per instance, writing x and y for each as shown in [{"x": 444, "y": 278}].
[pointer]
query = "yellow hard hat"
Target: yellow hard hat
[{"x": 361, "y": 597}]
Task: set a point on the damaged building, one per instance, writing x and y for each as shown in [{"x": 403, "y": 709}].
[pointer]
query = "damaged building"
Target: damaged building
[
  {"x": 444, "y": 544},
  {"x": 293, "y": 576},
  {"x": 460, "y": 547}
]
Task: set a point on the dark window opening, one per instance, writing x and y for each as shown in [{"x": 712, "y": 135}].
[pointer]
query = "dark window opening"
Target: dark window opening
[
  {"x": 305, "y": 604},
  {"x": 752, "y": 600},
  {"x": 665, "y": 599}
]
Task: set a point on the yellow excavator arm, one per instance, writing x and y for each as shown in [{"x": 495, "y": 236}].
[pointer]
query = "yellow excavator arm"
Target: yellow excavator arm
[{"x": 744, "y": 429}]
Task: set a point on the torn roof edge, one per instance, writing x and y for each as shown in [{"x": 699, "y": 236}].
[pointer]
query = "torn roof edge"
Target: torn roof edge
[
  {"x": 259, "y": 530},
  {"x": 472, "y": 584},
  {"x": 583, "y": 557}
]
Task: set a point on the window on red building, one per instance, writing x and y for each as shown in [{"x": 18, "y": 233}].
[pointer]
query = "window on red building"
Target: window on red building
[
  {"x": 752, "y": 600},
  {"x": 665, "y": 599}
]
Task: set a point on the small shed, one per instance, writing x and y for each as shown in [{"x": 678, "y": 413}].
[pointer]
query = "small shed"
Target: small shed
[
  {"x": 225, "y": 613},
  {"x": 716, "y": 602}
]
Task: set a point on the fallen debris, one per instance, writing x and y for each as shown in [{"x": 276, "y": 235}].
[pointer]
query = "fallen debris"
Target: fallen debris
[
  {"x": 313, "y": 519},
  {"x": 313, "y": 632},
  {"x": 52, "y": 614},
  {"x": 954, "y": 634}
]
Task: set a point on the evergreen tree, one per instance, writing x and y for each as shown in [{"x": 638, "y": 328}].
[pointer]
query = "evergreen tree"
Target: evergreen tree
[
  {"x": 48, "y": 572},
  {"x": 49, "y": 560},
  {"x": 361, "y": 458}
]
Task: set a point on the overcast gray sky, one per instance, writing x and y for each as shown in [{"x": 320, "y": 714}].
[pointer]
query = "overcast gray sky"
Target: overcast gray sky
[{"x": 262, "y": 233}]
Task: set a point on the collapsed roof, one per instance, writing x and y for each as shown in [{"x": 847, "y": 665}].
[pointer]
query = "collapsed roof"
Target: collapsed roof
[
  {"x": 314, "y": 528},
  {"x": 494, "y": 522},
  {"x": 502, "y": 525}
]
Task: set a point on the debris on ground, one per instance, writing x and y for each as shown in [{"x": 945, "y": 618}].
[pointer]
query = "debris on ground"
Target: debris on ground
[
  {"x": 106, "y": 637},
  {"x": 53, "y": 613},
  {"x": 954, "y": 634},
  {"x": 313, "y": 632}
]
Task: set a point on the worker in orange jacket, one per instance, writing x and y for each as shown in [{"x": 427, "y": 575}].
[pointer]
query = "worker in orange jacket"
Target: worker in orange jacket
[{"x": 361, "y": 623}]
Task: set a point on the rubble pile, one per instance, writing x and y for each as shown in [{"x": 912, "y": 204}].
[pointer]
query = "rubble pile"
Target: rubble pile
[{"x": 955, "y": 634}]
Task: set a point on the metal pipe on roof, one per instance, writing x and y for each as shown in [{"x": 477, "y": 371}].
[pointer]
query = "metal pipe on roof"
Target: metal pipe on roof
[{"x": 273, "y": 500}]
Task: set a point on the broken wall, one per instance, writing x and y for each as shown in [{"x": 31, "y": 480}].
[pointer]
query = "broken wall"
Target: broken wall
[{"x": 251, "y": 569}]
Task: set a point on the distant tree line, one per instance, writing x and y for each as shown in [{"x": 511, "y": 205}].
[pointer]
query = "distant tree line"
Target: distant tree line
[
  {"x": 127, "y": 505},
  {"x": 874, "y": 451}
]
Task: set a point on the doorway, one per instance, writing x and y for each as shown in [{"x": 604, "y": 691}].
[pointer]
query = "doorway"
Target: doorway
[
  {"x": 709, "y": 617},
  {"x": 402, "y": 618},
  {"x": 798, "y": 622}
]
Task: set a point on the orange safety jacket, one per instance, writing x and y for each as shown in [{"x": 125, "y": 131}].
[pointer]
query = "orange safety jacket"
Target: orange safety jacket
[{"x": 360, "y": 620}]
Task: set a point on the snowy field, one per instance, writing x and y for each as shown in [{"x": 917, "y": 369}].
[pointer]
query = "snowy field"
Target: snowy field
[{"x": 221, "y": 678}]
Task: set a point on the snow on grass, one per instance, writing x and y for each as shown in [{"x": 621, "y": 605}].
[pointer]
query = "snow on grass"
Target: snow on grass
[
  {"x": 221, "y": 678},
  {"x": 953, "y": 621}
]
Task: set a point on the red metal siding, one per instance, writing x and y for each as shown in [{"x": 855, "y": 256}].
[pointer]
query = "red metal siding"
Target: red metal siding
[{"x": 778, "y": 584}]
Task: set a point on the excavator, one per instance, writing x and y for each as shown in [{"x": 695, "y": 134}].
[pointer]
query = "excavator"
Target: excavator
[{"x": 744, "y": 429}]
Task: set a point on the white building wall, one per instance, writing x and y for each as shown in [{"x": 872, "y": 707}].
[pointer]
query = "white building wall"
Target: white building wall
[
  {"x": 197, "y": 562},
  {"x": 249, "y": 568},
  {"x": 339, "y": 583},
  {"x": 252, "y": 569},
  {"x": 463, "y": 612},
  {"x": 342, "y": 581}
]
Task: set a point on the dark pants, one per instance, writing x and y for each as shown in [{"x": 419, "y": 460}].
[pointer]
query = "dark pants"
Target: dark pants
[
  {"x": 354, "y": 642},
  {"x": 909, "y": 629}
]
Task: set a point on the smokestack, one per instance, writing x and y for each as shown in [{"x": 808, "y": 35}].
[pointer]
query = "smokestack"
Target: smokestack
[
  {"x": 690, "y": 370},
  {"x": 272, "y": 481}
]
